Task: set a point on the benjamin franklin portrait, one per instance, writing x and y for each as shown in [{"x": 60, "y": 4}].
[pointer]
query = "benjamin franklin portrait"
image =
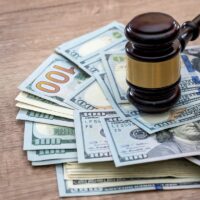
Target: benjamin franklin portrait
[{"x": 182, "y": 139}]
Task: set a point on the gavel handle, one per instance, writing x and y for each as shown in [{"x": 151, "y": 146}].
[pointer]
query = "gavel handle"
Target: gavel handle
[{"x": 189, "y": 31}]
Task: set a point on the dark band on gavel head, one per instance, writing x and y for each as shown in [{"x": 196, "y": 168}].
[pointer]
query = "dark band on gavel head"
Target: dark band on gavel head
[{"x": 153, "y": 59}]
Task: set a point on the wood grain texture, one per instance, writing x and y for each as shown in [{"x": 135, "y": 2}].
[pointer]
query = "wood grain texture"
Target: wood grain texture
[{"x": 29, "y": 31}]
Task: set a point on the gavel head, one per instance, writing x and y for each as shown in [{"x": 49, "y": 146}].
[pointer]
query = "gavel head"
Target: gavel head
[{"x": 153, "y": 62}]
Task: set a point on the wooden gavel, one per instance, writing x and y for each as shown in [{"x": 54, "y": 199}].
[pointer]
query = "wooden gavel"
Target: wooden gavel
[{"x": 153, "y": 59}]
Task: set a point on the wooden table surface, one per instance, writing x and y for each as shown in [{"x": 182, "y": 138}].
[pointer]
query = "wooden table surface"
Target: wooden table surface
[{"x": 29, "y": 31}]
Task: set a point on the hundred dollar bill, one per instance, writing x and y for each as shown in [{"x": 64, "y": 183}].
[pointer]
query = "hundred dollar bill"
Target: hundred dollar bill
[
  {"x": 189, "y": 97},
  {"x": 178, "y": 168},
  {"x": 177, "y": 116},
  {"x": 53, "y": 162},
  {"x": 193, "y": 55},
  {"x": 42, "y": 110},
  {"x": 94, "y": 65},
  {"x": 157, "y": 122},
  {"x": 86, "y": 96},
  {"x": 89, "y": 97},
  {"x": 131, "y": 145},
  {"x": 193, "y": 60},
  {"x": 33, "y": 100},
  {"x": 89, "y": 45},
  {"x": 131, "y": 110},
  {"x": 30, "y": 115},
  {"x": 66, "y": 191},
  {"x": 54, "y": 80},
  {"x": 96, "y": 183},
  {"x": 119, "y": 47},
  {"x": 195, "y": 159},
  {"x": 115, "y": 66},
  {"x": 90, "y": 138},
  {"x": 44, "y": 136},
  {"x": 188, "y": 85},
  {"x": 50, "y": 154}
]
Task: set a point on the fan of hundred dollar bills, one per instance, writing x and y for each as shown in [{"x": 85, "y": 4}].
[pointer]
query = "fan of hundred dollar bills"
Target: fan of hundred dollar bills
[{"x": 77, "y": 116}]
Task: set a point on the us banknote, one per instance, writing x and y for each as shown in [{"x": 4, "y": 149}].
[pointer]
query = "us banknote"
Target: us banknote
[
  {"x": 29, "y": 115},
  {"x": 195, "y": 159},
  {"x": 90, "y": 138},
  {"x": 192, "y": 58},
  {"x": 115, "y": 67},
  {"x": 66, "y": 191},
  {"x": 94, "y": 65},
  {"x": 123, "y": 110},
  {"x": 132, "y": 145},
  {"x": 193, "y": 55},
  {"x": 33, "y": 100},
  {"x": 177, "y": 116},
  {"x": 85, "y": 97},
  {"x": 119, "y": 47},
  {"x": 52, "y": 162},
  {"x": 177, "y": 168},
  {"x": 96, "y": 183},
  {"x": 129, "y": 111},
  {"x": 116, "y": 47},
  {"x": 39, "y": 136},
  {"x": 183, "y": 111},
  {"x": 42, "y": 110},
  {"x": 89, "y": 45},
  {"x": 50, "y": 154},
  {"x": 90, "y": 96},
  {"x": 54, "y": 80}
]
